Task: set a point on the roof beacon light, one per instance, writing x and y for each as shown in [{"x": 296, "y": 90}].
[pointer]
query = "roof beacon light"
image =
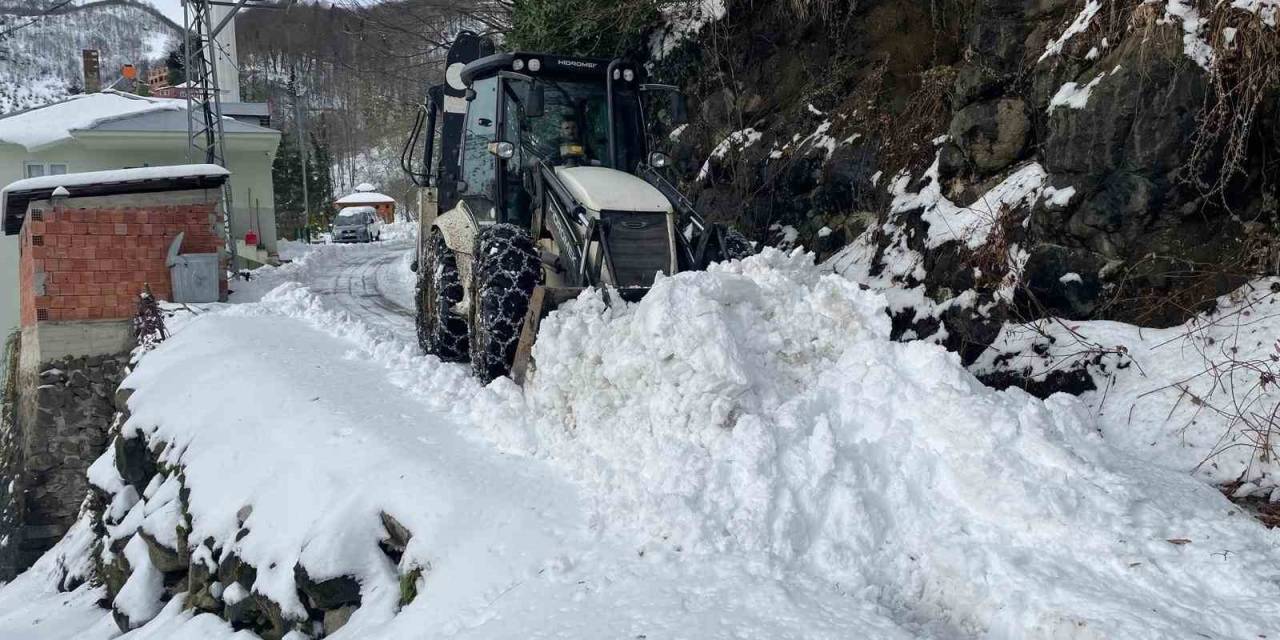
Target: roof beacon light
[
  {"x": 518, "y": 64},
  {"x": 628, "y": 75},
  {"x": 535, "y": 64}
]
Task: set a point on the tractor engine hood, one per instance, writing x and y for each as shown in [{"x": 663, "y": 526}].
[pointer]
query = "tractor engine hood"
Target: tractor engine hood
[{"x": 605, "y": 189}]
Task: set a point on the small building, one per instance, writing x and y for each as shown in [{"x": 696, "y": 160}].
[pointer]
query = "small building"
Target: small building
[
  {"x": 116, "y": 130},
  {"x": 365, "y": 196},
  {"x": 88, "y": 245}
]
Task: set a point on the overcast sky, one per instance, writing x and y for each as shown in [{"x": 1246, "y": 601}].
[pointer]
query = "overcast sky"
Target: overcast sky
[{"x": 170, "y": 8}]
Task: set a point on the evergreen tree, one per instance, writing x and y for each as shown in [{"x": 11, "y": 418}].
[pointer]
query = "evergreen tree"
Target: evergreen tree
[
  {"x": 320, "y": 177},
  {"x": 286, "y": 174}
]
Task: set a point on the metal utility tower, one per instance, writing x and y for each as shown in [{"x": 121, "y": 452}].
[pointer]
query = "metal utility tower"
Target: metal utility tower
[{"x": 205, "y": 134}]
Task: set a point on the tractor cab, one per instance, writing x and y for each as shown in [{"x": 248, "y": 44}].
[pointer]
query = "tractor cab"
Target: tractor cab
[{"x": 527, "y": 111}]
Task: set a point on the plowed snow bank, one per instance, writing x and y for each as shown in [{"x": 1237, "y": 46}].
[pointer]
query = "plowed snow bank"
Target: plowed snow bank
[{"x": 761, "y": 407}]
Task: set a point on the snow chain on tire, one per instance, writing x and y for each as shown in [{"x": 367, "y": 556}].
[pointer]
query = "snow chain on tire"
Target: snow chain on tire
[
  {"x": 506, "y": 270},
  {"x": 441, "y": 332}
]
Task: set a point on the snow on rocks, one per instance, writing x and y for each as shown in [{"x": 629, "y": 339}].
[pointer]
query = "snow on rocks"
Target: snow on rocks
[
  {"x": 1074, "y": 96},
  {"x": 736, "y": 140},
  {"x": 1191, "y": 398},
  {"x": 970, "y": 225},
  {"x": 1193, "y": 43},
  {"x": 1077, "y": 26},
  {"x": 1267, "y": 10},
  {"x": 682, "y": 21}
]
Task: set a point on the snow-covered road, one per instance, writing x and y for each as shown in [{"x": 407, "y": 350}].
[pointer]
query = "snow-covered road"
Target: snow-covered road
[{"x": 364, "y": 284}]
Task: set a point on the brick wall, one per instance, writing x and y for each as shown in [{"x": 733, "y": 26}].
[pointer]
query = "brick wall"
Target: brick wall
[{"x": 93, "y": 260}]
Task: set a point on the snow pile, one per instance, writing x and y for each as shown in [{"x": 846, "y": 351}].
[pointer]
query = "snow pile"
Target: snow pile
[
  {"x": 400, "y": 230},
  {"x": 50, "y": 125},
  {"x": 775, "y": 417},
  {"x": 743, "y": 453}
]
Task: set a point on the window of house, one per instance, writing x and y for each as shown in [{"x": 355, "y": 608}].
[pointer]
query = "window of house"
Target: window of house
[{"x": 37, "y": 169}]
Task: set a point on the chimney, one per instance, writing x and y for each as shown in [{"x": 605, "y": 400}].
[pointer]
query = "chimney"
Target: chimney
[{"x": 92, "y": 79}]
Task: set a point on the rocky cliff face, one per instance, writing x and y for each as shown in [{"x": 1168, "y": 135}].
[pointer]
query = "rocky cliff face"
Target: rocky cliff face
[{"x": 997, "y": 160}]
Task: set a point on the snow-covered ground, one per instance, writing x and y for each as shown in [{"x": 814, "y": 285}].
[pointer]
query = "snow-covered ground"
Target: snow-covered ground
[{"x": 742, "y": 454}]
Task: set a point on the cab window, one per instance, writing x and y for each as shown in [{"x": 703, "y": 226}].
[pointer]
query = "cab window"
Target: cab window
[{"x": 478, "y": 165}]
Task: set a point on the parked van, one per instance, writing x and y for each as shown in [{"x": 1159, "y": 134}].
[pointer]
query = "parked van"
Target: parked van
[{"x": 357, "y": 224}]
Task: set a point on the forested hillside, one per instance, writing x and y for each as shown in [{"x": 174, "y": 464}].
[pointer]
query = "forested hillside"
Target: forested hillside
[
  {"x": 362, "y": 72},
  {"x": 40, "y": 54}
]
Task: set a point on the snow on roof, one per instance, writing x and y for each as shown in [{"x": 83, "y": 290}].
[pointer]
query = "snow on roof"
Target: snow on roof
[
  {"x": 354, "y": 210},
  {"x": 42, "y": 126},
  {"x": 15, "y": 196},
  {"x": 364, "y": 197},
  {"x": 365, "y": 187},
  {"x": 73, "y": 180}
]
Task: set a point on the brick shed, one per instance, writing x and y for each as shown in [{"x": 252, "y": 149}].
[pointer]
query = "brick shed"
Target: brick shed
[
  {"x": 88, "y": 242},
  {"x": 84, "y": 256}
]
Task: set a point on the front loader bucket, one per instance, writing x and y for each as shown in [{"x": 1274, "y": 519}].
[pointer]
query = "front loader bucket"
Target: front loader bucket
[{"x": 543, "y": 301}]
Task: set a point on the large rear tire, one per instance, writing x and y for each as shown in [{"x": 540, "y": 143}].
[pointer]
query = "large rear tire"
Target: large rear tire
[
  {"x": 441, "y": 331},
  {"x": 506, "y": 271}
]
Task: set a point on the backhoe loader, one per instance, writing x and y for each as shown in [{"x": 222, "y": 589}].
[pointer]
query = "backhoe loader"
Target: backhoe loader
[{"x": 543, "y": 184}]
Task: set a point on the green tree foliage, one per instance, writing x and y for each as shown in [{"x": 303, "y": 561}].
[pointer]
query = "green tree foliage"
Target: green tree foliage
[
  {"x": 177, "y": 65},
  {"x": 286, "y": 172},
  {"x": 598, "y": 28},
  {"x": 321, "y": 178}
]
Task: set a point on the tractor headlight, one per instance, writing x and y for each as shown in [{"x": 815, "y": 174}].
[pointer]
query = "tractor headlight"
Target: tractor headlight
[
  {"x": 628, "y": 75},
  {"x": 504, "y": 150},
  {"x": 535, "y": 64},
  {"x": 518, "y": 64},
  {"x": 658, "y": 160}
]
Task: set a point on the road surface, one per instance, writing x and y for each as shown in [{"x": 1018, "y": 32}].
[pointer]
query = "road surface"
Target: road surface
[{"x": 371, "y": 283}]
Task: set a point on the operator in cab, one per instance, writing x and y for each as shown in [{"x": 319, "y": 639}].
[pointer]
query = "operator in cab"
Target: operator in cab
[{"x": 573, "y": 151}]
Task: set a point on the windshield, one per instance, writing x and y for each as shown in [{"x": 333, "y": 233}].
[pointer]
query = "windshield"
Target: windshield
[
  {"x": 573, "y": 129},
  {"x": 349, "y": 219}
]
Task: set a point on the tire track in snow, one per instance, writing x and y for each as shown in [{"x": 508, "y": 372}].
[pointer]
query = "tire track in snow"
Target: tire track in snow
[{"x": 351, "y": 284}]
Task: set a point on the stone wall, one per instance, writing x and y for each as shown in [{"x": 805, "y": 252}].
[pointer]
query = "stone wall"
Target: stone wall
[
  {"x": 65, "y": 408},
  {"x": 161, "y": 556}
]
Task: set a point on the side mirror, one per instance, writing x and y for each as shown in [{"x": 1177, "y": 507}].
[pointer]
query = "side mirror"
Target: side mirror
[
  {"x": 679, "y": 108},
  {"x": 536, "y": 105}
]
